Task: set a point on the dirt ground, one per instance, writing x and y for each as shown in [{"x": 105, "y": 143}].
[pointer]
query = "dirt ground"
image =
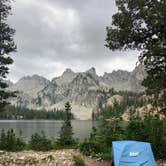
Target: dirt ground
[{"x": 51, "y": 158}]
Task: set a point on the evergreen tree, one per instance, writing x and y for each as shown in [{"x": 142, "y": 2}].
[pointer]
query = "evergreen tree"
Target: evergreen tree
[
  {"x": 66, "y": 132},
  {"x": 7, "y": 46},
  {"x": 10, "y": 142},
  {"x": 40, "y": 142},
  {"x": 3, "y": 142},
  {"x": 141, "y": 24}
]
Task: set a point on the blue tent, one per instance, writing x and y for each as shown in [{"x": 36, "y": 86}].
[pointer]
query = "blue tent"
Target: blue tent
[{"x": 132, "y": 153}]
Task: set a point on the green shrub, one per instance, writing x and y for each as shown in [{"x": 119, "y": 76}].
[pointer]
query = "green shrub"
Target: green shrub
[
  {"x": 89, "y": 147},
  {"x": 31, "y": 161},
  {"x": 78, "y": 160},
  {"x": 56, "y": 145},
  {"x": 152, "y": 130},
  {"x": 40, "y": 142},
  {"x": 10, "y": 142},
  {"x": 100, "y": 140}
]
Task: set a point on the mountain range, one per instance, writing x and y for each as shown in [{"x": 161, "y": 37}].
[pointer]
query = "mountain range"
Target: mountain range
[{"x": 85, "y": 90}]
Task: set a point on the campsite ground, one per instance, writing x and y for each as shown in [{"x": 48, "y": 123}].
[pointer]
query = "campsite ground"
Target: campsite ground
[{"x": 51, "y": 158}]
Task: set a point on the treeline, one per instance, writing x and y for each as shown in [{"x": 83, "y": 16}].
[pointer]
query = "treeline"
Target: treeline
[
  {"x": 12, "y": 112},
  {"x": 130, "y": 100},
  {"x": 133, "y": 99}
]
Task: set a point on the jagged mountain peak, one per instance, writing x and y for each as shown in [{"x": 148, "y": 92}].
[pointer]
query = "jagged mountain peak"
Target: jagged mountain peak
[
  {"x": 68, "y": 71},
  {"x": 30, "y": 85},
  {"x": 34, "y": 77},
  {"x": 91, "y": 71},
  {"x": 67, "y": 76},
  {"x": 86, "y": 79},
  {"x": 120, "y": 71},
  {"x": 116, "y": 73}
]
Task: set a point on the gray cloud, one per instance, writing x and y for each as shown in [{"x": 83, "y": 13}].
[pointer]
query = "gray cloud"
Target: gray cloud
[{"x": 52, "y": 35}]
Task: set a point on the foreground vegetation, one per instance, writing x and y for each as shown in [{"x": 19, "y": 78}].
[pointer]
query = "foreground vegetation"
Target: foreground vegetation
[
  {"x": 148, "y": 129},
  {"x": 78, "y": 160},
  {"x": 9, "y": 141}
]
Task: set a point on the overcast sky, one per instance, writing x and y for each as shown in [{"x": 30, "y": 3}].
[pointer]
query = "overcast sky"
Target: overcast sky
[{"x": 52, "y": 35}]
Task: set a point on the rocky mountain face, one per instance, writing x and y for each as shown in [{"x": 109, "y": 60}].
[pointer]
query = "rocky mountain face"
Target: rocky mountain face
[
  {"x": 137, "y": 75},
  {"x": 27, "y": 90},
  {"x": 122, "y": 80},
  {"x": 119, "y": 80},
  {"x": 67, "y": 76},
  {"x": 85, "y": 90}
]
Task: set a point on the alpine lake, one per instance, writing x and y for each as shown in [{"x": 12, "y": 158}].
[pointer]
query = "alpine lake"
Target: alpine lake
[{"x": 51, "y": 128}]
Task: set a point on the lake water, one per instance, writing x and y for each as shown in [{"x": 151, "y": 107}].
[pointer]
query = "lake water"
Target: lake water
[{"x": 51, "y": 128}]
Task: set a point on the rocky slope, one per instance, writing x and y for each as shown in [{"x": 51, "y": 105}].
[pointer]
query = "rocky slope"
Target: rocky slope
[
  {"x": 85, "y": 90},
  {"x": 51, "y": 158},
  {"x": 28, "y": 88}
]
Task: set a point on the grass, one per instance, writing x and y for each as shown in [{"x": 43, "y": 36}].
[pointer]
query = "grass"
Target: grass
[{"x": 78, "y": 160}]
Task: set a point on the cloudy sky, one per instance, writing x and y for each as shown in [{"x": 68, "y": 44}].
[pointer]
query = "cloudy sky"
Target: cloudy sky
[{"x": 52, "y": 35}]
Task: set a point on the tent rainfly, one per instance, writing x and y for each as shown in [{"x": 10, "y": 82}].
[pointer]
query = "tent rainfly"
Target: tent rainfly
[{"x": 132, "y": 153}]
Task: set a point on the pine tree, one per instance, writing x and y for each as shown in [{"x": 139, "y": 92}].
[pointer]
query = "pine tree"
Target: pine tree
[
  {"x": 141, "y": 25},
  {"x": 3, "y": 141},
  {"x": 66, "y": 132},
  {"x": 7, "y": 46}
]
